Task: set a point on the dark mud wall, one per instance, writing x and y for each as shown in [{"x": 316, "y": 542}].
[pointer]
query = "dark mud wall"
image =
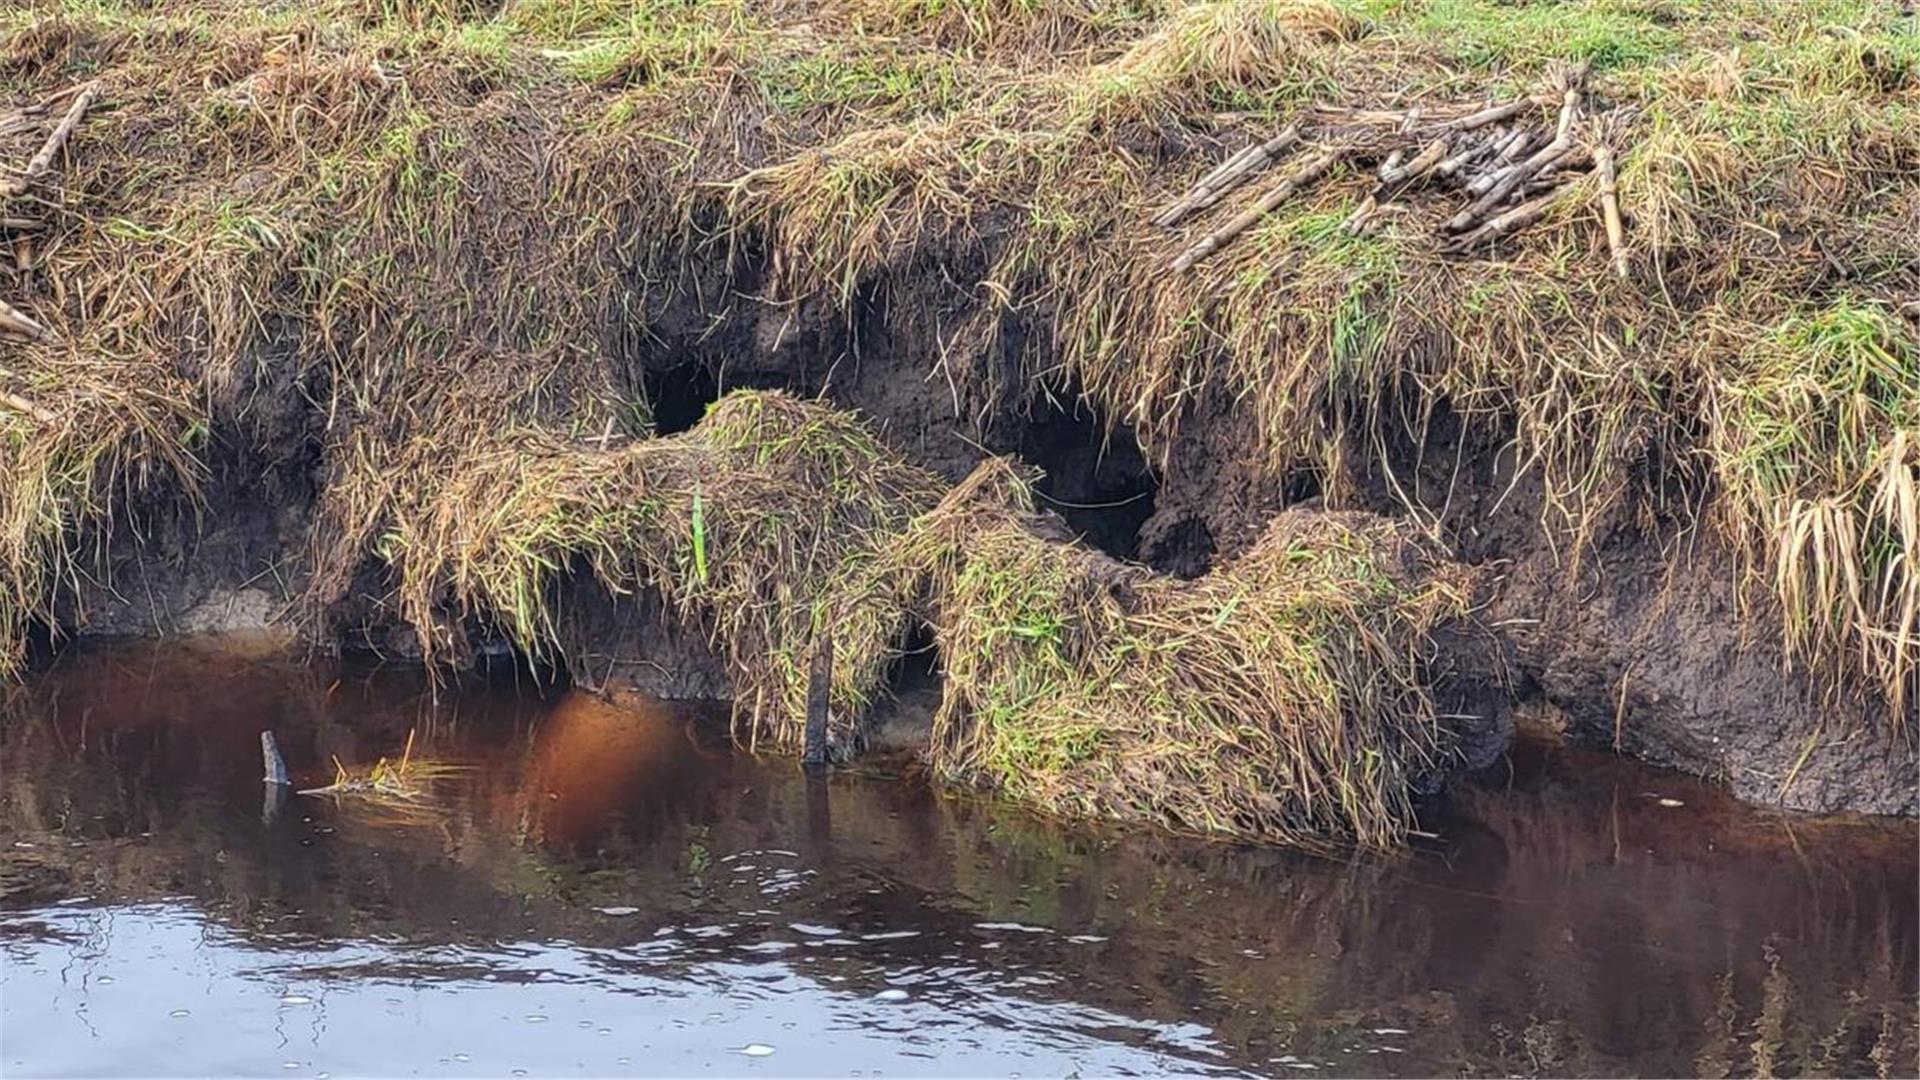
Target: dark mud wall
[{"x": 1633, "y": 636}]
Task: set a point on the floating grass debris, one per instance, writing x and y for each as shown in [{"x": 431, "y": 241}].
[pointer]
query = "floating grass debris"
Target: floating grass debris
[{"x": 408, "y": 781}]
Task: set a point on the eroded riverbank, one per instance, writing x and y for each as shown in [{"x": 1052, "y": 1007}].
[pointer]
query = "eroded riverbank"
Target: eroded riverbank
[{"x": 609, "y": 890}]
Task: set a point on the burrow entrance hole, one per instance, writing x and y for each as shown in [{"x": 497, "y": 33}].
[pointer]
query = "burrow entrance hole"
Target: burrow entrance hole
[{"x": 1095, "y": 475}]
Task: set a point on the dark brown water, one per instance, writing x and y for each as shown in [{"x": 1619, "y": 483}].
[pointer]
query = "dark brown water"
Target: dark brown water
[{"x": 608, "y": 892}]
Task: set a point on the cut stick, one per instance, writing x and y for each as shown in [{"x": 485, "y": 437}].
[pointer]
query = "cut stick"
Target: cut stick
[
  {"x": 1505, "y": 224},
  {"x": 1515, "y": 146},
  {"x": 1392, "y": 164},
  {"x": 1356, "y": 222},
  {"x": 1309, "y": 171},
  {"x": 1610, "y": 208},
  {"x": 1515, "y": 176},
  {"x": 1422, "y": 162},
  {"x": 42, "y": 161},
  {"x": 1225, "y": 179},
  {"x": 1511, "y": 149},
  {"x": 1458, "y": 161},
  {"x": 1221, "y": 169},
  {"x": 18, "y": 404},
  {"x": 13, "y": 321},
  {"x": 22, "y": 224},
  {"x": 1492, "y": 115},
  {"x": 1569, "y": 106}
]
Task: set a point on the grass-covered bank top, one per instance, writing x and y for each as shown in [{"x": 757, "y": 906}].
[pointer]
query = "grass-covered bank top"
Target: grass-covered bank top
[{"x": 442, "y": 222}]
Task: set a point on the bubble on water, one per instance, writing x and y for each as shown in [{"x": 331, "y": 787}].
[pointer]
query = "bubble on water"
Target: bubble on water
[
  {"x": 463, "y": 1057},
  {"x": 296, "y": 999},
  {"x": 618, "y": 910},
  {"x": 623, "y": 1061},
  {"x": 584, "y": 1024},
  {"x": 536, "y": 1018},
  {"x": 755, "y": 1050},
  {"x": 892, "y": 995},
  {"x": 105, "y": 980},
  {"x": 519, "y": 1072},
  {"x": 289, "y": 1064},
  {"x": 604, "y": 1031},
  {"x": 179, "y": 1013}
]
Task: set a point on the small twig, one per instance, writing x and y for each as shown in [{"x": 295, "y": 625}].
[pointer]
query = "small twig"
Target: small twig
[
  {"x": 1519, "y": 174},
  {"x": 1422, "y": 163},
  {"x": 1475, "y": 148},
  {"x": 43, "y": 160},
  {"x": 1356, "y": 222}
]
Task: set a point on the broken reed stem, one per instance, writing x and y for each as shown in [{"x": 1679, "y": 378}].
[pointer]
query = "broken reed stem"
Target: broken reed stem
[
  {"x": 1491, "y": 115},
  {"x": 1519, "y": 174},
  {"x": 42, "y": 161},
  {"x": 1610, "y": 208},
  {"x": 1309, "y": 171},
  {"x": 1422, "y": 163},
  {"x": 1512, "y": 221},
  {"x": 18, "y": 404},
  {"x": 14, "y": 321},
  {"x": 1229, "y": 175}
]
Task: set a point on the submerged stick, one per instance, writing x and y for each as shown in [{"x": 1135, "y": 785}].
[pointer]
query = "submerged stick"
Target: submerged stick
[
  {"x": 43, "y": 160},
  {"x": 1610, "y": 208},
  {"x": 1228, "y": 176},
  {"x": 819, "y": 697},
  {"x": 276, "y": 766},
  {"x": 1309, "y": 171}
]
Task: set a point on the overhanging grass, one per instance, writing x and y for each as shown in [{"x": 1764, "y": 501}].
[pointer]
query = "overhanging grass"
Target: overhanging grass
[{"x": 1278, "y": 696}]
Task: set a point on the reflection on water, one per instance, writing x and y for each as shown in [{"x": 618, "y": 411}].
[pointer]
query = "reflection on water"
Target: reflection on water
[{"x": 606, "y": 891}]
